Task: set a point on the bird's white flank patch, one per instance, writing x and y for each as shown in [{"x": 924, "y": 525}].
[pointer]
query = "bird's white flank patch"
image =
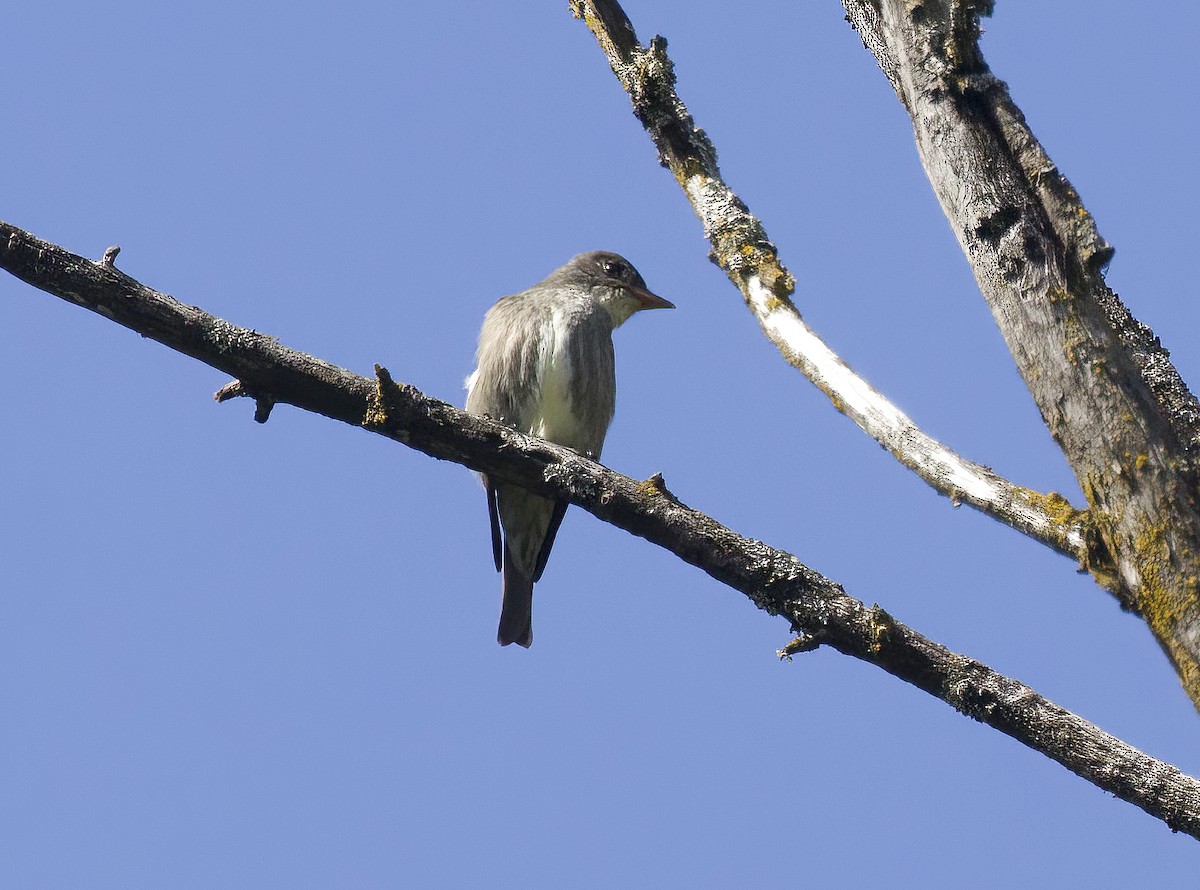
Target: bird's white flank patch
[{"x": 557, "y": 421}]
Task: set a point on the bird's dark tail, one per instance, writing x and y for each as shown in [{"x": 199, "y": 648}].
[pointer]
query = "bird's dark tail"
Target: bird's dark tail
[{"x": 516, "y": 609}]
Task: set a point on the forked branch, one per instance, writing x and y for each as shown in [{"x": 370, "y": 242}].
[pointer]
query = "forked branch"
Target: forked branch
[{"x": 740, "y": 246}]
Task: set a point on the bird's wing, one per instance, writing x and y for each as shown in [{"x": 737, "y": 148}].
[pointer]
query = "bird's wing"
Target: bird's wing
[
  {"x": 494, "y": 519},
  {"x": 506, "y": 385},
  {"x": 556, "y": 518}
]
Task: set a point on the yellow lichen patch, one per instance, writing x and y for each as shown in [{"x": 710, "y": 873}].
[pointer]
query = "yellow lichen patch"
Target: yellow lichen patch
[
  {"x": 1165, "y": 597},
  {"x": 595, "y": 25},
  {"x": 652, "y": 487},
  {"x": 781, "y": 282},
  {"x": 376, "y": 416},
  {"x": 1166, "y": 592},
  {"x": 1075, "y": 340},
  {"x": 881, "y": 625},
  {"x": 1054, "y": 505},
  {"x": 1166, "y": 600},
  {"x": 774, "y": 304}
]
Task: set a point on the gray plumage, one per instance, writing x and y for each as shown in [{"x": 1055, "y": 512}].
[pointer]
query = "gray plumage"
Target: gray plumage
[{"x": 545, "y": 368}]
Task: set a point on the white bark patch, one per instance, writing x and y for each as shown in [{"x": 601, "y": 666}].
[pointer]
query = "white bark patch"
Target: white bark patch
[
  {"x": 887, "y": 424},
  {"x": 1130, "y": 575},
  {"x": 712, "y": 200},
  {"x": 945, "y": 471}
]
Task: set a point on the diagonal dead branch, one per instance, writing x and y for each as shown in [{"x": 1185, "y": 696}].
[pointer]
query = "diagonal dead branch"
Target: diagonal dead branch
[
  {"x": 740, "y": 246},
  {"x": 818, "y": 610},
  {"x": 1105, "y": 387}
]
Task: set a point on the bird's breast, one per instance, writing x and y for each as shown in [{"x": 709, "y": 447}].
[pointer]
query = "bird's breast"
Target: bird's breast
[
  {"x": 576, "y": 377},
  {"x": 556, "y": 420}
]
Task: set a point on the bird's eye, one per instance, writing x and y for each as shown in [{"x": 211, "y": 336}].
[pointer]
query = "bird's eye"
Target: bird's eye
[{"x": 613, "y": 269}]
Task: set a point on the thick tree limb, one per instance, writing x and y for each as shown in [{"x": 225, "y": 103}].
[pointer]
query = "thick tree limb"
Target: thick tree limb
[
  {"x": 819, "y": 611},
  {"x": 740, "y": 247},
  {"x": 1105, "y": 387}
]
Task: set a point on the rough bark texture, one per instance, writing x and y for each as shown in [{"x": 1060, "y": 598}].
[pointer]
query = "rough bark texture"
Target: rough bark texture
[
  {"x": 775, "y": 581},
  {"x": 1104, "y": 385},
  {"x": 1106, "y": 389},
  {"x": 740, "y": 246}
]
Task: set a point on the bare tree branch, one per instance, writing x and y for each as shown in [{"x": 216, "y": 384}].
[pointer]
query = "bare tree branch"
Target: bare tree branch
[
  {"x": 819, "y": 611},
  {"x": 1105, "y": 387},
  {"x": 740, "y": 247}
]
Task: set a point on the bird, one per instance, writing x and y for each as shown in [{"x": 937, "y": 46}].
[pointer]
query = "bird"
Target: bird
[{"x": 544, "y": 366}]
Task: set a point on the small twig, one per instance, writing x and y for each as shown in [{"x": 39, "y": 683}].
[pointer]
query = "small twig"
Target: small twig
[
  {"x": 231, "y": 390},
  {"x": 262, "y": 403},
  {"x": 262, "y": 408},
  {"x": 110, "y": 256},
  {"x": 656, "y": 486},
  {"x": 799, "y": 644}
]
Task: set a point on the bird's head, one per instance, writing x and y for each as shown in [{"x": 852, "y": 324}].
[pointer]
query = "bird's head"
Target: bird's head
[{"x": 614, "y": 283}]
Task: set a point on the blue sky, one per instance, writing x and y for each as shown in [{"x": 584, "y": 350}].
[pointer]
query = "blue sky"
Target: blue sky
[{"x": 242, "y": 656}]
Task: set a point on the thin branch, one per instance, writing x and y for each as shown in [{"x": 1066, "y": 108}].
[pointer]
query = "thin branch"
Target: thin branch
[
  {"x": 1105, "y": 387},
  {"x": 740, "y": 247},
  {"x": 819, "y": 611},
  {"x": 235, "y": 389}
]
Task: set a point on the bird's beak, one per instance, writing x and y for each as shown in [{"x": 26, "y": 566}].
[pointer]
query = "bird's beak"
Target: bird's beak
[{"x": 647, "y": 300}]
